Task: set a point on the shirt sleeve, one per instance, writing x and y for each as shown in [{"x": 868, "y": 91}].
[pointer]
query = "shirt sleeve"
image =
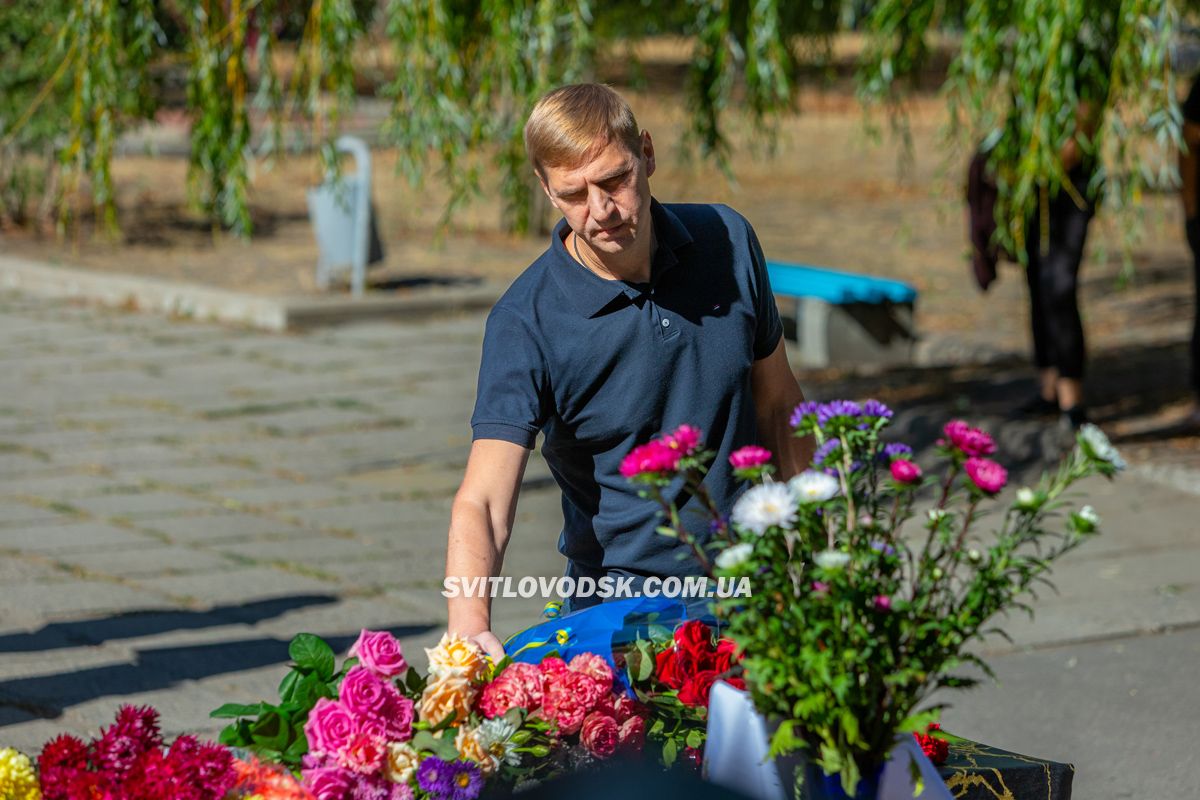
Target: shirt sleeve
[
  {"x": 512, "y": 398},
  {"x": 769, "y": 328}
]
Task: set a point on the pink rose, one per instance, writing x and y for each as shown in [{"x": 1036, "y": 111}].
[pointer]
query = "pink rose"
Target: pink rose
[
  {"x": 328, "y": 783},
  {"x": 905, "y": 471},
  {"x": 631, "y": 734},
  {"x": 594, "y": 667},
  {"x": 329, "y": 727},
  {"x": 379, "y": 652},
  {"x": 502, "y": 695},
  {"x": 363, "y": 754},
  {"x": 398, "y": 719},
  {"x": 364, "y": 692},
  {"x": 529, "y": 677},
  {"x": 600, "y": 735},
  {"x": 989, "y": 476},
  {"x": 749, "y": 457}
]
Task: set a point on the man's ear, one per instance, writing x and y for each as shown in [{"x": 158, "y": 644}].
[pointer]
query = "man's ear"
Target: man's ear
[{"x": 648, "y": 152}]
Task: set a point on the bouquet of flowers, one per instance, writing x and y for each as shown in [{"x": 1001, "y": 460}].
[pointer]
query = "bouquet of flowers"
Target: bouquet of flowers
[
  {"x": 861, "y": 607},
  {"x": 377, "y": 729}
]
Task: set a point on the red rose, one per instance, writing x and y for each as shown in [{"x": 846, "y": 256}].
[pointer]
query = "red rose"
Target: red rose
[
  {"x": 725, "y": 657},
  {"x": 667, "y": 668},
  {"x": 935, "y": 749},
  {"x": 599, "y": 734},
  {"x": 695, "y": 690},
  {"x": 693, "y": 641},
  {"x": 632, "y": 734}
]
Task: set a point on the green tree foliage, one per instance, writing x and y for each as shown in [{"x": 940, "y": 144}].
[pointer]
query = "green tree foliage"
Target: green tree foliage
[{"x": 1027, "y": 78}]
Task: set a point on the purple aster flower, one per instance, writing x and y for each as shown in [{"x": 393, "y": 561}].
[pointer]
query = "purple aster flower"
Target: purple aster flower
[
  {"x": 883, "y": 547},
  {"x": 436, "y": 777},
  {"x": 838, "y": 408},
  {"x": 805, "y": 409},
  {"x": 824, "y": 451},
  {"x": 874, "y": 408},
  {"x": 897, "y": 450},
  {"x": 466, "y": 781}
]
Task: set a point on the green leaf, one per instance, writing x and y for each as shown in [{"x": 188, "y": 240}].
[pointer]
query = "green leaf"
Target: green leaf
[
  {"x": 312, "y": 654},
  {"x": 287, "y": 686},
  {"x": 695, "y": 738},
  {"x": 233, "y": 710},
  {"x": 270, "y": 731},
  {"x": 670, "y": 752}
]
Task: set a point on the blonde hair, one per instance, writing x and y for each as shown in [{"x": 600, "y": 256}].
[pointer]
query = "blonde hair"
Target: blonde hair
[{"x": 573, "y": 122}]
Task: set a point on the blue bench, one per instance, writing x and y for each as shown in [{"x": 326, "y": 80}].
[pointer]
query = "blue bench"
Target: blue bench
[{"x": 842, "y": 318}]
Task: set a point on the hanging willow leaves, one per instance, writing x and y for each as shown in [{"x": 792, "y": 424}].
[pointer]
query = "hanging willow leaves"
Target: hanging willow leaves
[{"x": 1027, "y": 78}]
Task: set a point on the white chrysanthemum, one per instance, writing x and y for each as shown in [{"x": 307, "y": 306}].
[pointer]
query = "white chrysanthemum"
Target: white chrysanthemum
[
  {"x": 1026, "y": 498},
  {"x": 1089, "y": 515},
  {"x": 765, "y": 505},
  {"x": 831, "y": 559},
  {"x": 812, "y": 486},
  {"x": 1099, "y": 445},
  {"x": 495, "y": 736},
  {"x": 735, "y": 556}
]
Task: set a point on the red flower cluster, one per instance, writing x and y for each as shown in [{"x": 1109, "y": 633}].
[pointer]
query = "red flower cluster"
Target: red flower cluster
[
  {"x": 128, "y": 762},
  {"x": 692, "y": 663},
  {"x": 661, "y": 457},
  {"x": 935, "y": 749},
  {"x": 578, "y": 697}
]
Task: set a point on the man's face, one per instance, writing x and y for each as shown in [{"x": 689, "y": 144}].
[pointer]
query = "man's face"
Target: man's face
[{"x": 606, "y": 200}]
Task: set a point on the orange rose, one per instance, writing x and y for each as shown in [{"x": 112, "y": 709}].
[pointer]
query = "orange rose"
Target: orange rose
[
  {"x": 452, "y": 694},
  {"x": 469, "y": 747},
  {"x": 457, "y": 656}
]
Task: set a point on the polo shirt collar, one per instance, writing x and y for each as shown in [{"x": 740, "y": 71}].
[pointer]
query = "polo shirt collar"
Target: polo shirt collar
[{"x": 590, "y": 294}]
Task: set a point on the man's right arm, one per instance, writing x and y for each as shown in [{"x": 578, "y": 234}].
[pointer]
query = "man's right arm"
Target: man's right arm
[{"x": 481, "y": 520}]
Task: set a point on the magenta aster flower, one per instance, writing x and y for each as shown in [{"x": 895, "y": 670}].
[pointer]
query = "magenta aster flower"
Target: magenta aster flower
[
  {"x": 989, "y": 476},
  {"x": 905, "y": 471},
  {"x": 749, "y": 457},
  {"x": 685, "y": 439},
  {"x": 882, "y": 603},
  {"x": 653, "y": 458}
]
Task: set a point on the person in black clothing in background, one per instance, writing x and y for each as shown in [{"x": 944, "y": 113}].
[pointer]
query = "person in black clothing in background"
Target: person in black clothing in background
[
  {"x": 1054, "y": 243},
  {"x": 1189, "y": 172}
]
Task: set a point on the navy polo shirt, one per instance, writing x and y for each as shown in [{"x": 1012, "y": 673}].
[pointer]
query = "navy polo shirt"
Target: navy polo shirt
[{"x": 601, "y": 366}]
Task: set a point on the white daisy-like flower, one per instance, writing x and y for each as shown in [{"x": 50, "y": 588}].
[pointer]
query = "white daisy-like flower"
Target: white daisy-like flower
[
  {"x": 765, "y": 505},
  {"x": 1026, "y": 498},
  {"x": 495, "y": 736},
  {"x": 812, "y": 486},
  {"x": 831, "y": 559},
  {"x": 935, "y": 515},
  {"x": 735, "y": 556},
  {"x": 1099, "y": 447},
  {"x": 1088, "y": 514}
]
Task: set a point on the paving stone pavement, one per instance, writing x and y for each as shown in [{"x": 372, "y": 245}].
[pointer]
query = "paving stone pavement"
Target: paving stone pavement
[{"x": 178, "y": 499}]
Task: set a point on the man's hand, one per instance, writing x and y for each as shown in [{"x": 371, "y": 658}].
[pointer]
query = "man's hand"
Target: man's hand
[{"x": 480, "y": 523}]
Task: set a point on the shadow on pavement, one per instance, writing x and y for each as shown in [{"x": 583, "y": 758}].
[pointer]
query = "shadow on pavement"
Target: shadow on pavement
[
  {"x": 134, "y": 624},
  {"x": 47, "y": 696}
]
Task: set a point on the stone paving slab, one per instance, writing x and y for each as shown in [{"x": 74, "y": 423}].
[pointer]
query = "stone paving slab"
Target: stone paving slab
[
  {"x": 229, "y": 586},
  {"x": 221, "y": 527},
  {"x": 145, "y": 561},
  {"x": 81, "y": 535}
]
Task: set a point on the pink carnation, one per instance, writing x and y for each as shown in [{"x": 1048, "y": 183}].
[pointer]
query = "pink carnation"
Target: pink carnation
[
  {"x": 656, "y": 457},
  {"x": 685, "y": 439},
  {"x": 749, "y": 457},
  {"x": 989, "y": 476},
  {"x": 552, "y": 666},
  {"x": 905, "y": 471},
  {"x": 502, "y": 695},
  {"x": 594, "y": 667},
  {"x": 529, "y": 677},
  {"x": 363, "y": 754},
  {"x": 329, "y": 728},
  {"x": 600, "y": 735},
  {"x": 568, "y": 698},
  {"x": 379, "y": 652}
]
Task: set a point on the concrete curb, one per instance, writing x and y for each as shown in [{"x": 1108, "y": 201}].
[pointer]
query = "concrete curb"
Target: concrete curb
[{"x": 220, "y": 305}]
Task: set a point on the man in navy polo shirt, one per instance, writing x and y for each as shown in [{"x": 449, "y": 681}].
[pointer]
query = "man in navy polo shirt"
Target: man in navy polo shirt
[{"x": 639, "y": 317}]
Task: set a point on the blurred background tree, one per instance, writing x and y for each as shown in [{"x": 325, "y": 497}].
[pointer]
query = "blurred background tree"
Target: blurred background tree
[{"x": 464, "y": 73}]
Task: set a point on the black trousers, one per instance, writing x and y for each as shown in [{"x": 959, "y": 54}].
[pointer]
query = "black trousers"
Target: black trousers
[
  {"x": 1193, "y": 236},
  {"x": 1053, "y": 277}
]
